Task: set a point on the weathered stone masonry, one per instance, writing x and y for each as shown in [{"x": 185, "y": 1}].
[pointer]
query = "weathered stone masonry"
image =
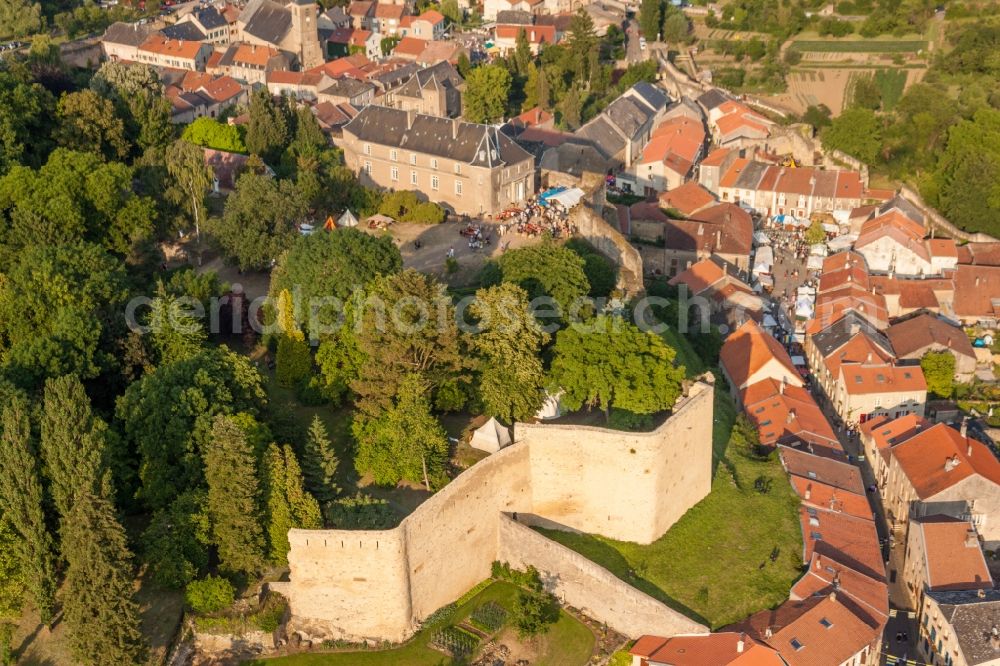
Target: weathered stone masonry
[{"x": 359, "y": 585}]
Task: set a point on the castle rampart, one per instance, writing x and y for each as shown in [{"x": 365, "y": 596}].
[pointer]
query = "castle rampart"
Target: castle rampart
[{"x": 380, "y": 585}]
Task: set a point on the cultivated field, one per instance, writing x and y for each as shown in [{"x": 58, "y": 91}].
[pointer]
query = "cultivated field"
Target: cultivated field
[
  {"x": 832, "y": 86},
  {"x": 859, "y": 46}
]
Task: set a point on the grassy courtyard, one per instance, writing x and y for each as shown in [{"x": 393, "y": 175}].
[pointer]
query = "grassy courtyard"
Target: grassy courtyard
[
  {"x": 715, "y": 564},
  {"x": 568, "y": 642}
]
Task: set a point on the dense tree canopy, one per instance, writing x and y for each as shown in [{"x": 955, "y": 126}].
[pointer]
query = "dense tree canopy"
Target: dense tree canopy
[
  {"x": 335, "y": 265},
  {"x": 548, "y": 270},
  {"x": 486, "y": 91},
  {"x": 611, "y": 363},
  {"x": 167, "y": 416},
  {"x": 56, "y": 308}
]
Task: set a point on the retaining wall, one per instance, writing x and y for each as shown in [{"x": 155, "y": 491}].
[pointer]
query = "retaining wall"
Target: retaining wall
[{"x": 577, "y": 581}]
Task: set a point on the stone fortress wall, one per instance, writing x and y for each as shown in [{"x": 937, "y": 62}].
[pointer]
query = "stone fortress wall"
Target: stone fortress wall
[{"x": 361, "y": 585}]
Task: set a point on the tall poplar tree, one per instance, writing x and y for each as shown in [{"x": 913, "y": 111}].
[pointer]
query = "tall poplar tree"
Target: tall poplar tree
[
  {"x": 21, "y": 500},
  {"x": 73, "y": 444},
  {"x": 98, "y": 605},
  {"x": 233, "y": 494}
]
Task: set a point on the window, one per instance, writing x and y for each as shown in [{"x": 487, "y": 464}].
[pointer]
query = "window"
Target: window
[
  {"x": 458, "y": 187},
  {"x": 394, "y": 173},
  {"x": 368, "y": 167},
  {"x": 413, "y": 158},
  {"x": 434, "y": 163},
  {"x": 458, "y": 168},
  {"x": 413, "y": 177},
  {"x": 368, "y": 149},
  {"x": 434, "y": 182},
  {"x": 392, "y": 154},
  {"x": 796, "y": 645},
  {"x": 826, "y": 623}
]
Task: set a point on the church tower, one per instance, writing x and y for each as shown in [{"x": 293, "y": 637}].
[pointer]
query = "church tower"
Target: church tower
[{"x": 305, "y": 33}]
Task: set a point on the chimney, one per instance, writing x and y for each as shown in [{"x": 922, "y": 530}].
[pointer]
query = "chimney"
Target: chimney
[
  {"x": 809, "y": 492},
  {"x": 718, "y": 238},
  {"x": 950, "y": 463},
  {"x": 833, "y": 596},
  {"x": 964, "y": 430},
  {"x": 869, "y": 359},
  {"x": 781, "y": 389},
  {"x": 767, "y": 632},
  {"x": 791, "y": 416},
  {"x": 971, "y": 539},
  {"x": 977, "y": 280},
  {"x": 855, "y": 328},
  {"x": 410, "y": 116},
  {"x": 981, "y": 593},
  {"x": 454, "y": 128},
  {"x": 740, "y": 644}
]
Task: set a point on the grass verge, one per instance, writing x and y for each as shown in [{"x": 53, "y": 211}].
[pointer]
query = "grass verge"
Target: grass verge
[
  {"x": 715, "y": 564},
  {"x": 859, "y": 46}
]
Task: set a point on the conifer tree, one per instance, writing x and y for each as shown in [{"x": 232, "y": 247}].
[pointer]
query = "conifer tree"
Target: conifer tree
[
  {"x": 233, "y": 493},
  {"x": 98, "y": 606},
  {"x": 293, "y": 359},
  {"x": 287, "y": 504},
  {"x": 319, "y": 463},
  {"x": 21, "y": 503},
  {"x": 176, "y": 335},
  {"x": 73, "y": 444}
]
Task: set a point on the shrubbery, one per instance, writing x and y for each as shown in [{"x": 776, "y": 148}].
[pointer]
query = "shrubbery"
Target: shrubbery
[
  {"x": 405, "y": 206},
  {"x": 209, "y": 595},
  {"x": 210, "y": 133}
]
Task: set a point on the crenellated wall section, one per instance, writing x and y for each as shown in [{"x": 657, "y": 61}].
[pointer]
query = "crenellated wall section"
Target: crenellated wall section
[{"x": 363, "y": 585}]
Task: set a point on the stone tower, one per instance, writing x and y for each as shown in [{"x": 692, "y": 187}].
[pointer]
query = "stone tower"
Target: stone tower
[{"x": 304, "y": 31}]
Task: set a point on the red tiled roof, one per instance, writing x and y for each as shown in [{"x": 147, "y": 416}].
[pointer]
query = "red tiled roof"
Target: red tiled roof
[
  {"x": 831, "y": 472},
  {"x": 826, "y": 574},
  {"x": 886, "y": 432},
  {"x": 748, "y": 349},
  {"x": 923, "y": 460},
  {"x": 953, "y": 556},
  {"x": 922, "y": 331},
  {"x": 699, "y": 276},
  {"x": 177, "y": 48},
  {"x": 716, "y": 157},
  {"x": 536, "y": 34},
  {"x": 432, "y": 16},
  {"x": 412, "y": 46},
  {"x": 847, "y": 538},
  {"x": 977, "y": 291},
  {"x": 821, "y": 496},
  {"x": 531, "y": 117},
  {"x": 687, "y": 199},
  {"x": 788, "y": 415},
  {"x": 254, "y": 54},
  {"x": 718, "y": 649},
  {"x": 386, "y": 11}
]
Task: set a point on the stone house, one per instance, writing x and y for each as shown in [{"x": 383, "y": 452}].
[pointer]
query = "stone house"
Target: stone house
[
  {"x": 433, "y": 91},
  {"x": 250, "y": 63},
  {"x": 914, "y": 337},
  {"x": 159, "y": 51},
  {"x": 625, "y": 126},
  {"x": 468, "y": 168},
  {"x": 940, "y": 470},
  {"x": 290, "y": 26},
  {"x": 751, "y": 355},
  {"x": 960, "y": 628},
  {"x": 121, "y": 41},
  {"x": 944, "y": 553}
]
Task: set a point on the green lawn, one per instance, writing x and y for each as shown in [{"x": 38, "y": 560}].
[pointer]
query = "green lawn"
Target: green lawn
[
  {"x": 567, "y": 643},
  {"x": 714, "y": 565},
  {"x": 859, "y": 46}
]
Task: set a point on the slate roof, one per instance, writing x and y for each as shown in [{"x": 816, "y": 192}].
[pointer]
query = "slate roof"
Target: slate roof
[
  {"x": 652, "y": 95},
  {"x": 603, "y": 136},
  {"x": 904, "y": 206},
  {"x": 209, "y": 17},
  {"x": 266, "y": 20},
  {"x": 973, "y": 619},
  {"x": 513, "y": 17},
  {"x": 627, "y": 115},
  {"x": 130, "y": 34},
  {"x": 347, "y": 87},
  {"x": 474, "y": 144},
  {"x": 825, "y": 470},
  {"x": 185, "y": 30},
  {"x": 713, "y": 98},
  {"x": 837, "y": 335}
]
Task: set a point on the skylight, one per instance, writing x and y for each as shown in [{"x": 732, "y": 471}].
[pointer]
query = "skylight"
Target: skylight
[
  {"x": 826, "y": 623},
  {"x": 796, "y": 645}
]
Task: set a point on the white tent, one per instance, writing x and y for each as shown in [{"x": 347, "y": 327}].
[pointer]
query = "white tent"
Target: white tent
[
  {"x": 818, "y": 249},
  {"x": 764, "y": 259},
  {"x": 842, "y": 242},
  {"x": 568, "y": 198},
  {"x": 347, "y": 220},
  {"x": 814, "y": 263},
  {"x": 490, "y": 437},
  {"x": 761, "y": 238},
  {"x": 551, "y": 408}
]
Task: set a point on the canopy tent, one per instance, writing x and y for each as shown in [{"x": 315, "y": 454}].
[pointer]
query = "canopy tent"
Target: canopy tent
[
  {"x": 763, "y": 260},
  {"x": 568, "y": 198},
  {"x": 818, "y": 249},
  {"x": 769, "y": 321},
  {"x": 551, "y": 408},
  {"x": 347, "y": 219},
  {"x": 490, "y": 437},
  {"x": 843, "y": 242},
  {"x": 831, "y": 228},
  {"x": 814, "y": 263},
  {"x": 763, "y": 280},
  {"x": 761, "y": 238}
]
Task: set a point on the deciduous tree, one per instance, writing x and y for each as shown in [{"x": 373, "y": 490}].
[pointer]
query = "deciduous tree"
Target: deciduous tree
[
  {"x": 403, "y": 441},
  {"x": 186, "y": 165},
  {"x": 512, "y": 380},
  {"x": 939, "y": 373},
  {"x": 487, "y": 89},
  {"x": 88, "y": 123},
  {"x": 20, "y": 18},
  {"x": 610, "y": 362},
  {"x": 548, "y": 270},
  {"x": 267, "y": 127}
]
